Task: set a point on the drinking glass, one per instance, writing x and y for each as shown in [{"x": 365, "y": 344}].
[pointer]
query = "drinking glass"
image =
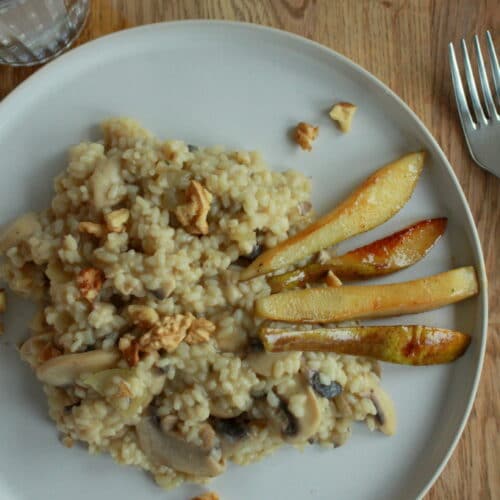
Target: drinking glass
[{"x": 34, "y": 31}]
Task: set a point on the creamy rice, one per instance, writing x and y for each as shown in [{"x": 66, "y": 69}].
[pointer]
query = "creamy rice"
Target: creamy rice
[{"x": 223, "y": 396}]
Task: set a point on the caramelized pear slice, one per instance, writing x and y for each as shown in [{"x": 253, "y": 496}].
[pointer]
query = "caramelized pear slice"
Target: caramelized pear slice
[
  {"x": 387, "y": 255},
  {"x": 325, "y": 305},
  {"x": 407, "y": 345},
  {"x": 381, "y": 196}
]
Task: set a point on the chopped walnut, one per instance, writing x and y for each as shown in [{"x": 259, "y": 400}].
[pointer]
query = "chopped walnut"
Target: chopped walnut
[
  {"x": 143, "y": 316},
  {"x": 167, "y": 334},
  {"x": 172, "y": 330},
  {"x": 211, "y": 495},
  {"x": 193, "y": 214},
  {"x": 3, "y": 300},
  {"x": 116, "y": 220},
  {"x": 199, "y": 331},
  {"x": 305, "y": 134},
  {"x": 89, "y": 282},
  {"x": 332, "y": 280},
  {"x": 343, "y": 113},
  {"x": 129, "y": 347},
  {"x": 91, "y": 228}
]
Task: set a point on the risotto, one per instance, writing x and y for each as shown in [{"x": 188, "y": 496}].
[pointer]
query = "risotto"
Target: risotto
[{"x": 145, "y": 339}]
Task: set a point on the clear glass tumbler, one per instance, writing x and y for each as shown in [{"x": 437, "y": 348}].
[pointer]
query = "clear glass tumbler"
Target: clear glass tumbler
[{"x": 34, "y": 31}]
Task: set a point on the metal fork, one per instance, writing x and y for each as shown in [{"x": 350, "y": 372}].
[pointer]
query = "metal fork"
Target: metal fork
[{"x": 482, "y": 127}]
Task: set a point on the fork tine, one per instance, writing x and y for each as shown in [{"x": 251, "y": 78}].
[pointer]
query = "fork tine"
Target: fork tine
[
  {"x": 483, "y": 77},
  {"x": 471, "y": 83},
  {"x": 495, "y": 69},
  {"x": 463, "y": 107}
]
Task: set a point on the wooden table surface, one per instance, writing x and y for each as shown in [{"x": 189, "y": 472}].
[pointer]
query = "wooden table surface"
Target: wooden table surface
[{"x": 404, "y": 44}]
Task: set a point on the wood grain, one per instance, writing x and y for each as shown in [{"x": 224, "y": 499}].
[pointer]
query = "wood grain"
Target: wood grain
[{"x": 402, "y": 42}]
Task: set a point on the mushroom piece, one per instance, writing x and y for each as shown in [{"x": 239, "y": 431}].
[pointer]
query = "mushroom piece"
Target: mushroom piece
[
  {"x": 246, "y": 260},
  {"x": 327, "y": 391},
  {"x": 262, "y": 363},
  {"x": 234, "y": 428},
  {"x": 233, "y": 433},
  {"x": 300, "y": 426},
  {"x": 386, "y": 414},
  {"x": 19, "y": 230},
  {"x": 170, "y": 449},
  {"x": 65, "y": 369}
]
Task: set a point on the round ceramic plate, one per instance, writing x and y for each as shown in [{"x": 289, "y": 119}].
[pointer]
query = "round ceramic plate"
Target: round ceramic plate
[{"x": 243, "y": 86}]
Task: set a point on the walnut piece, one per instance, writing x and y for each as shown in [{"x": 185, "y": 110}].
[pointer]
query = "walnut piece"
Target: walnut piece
[
  {"x": 143, "y": 316},
  {"x": 193, "y": 214},
  {"x": 91, "y": 228},
  {"x": 211, "y": 495},
  {"x": 116, "y": 220},
  {"x": 3, "y": 300},
  {"x": 129, "y": 347},
  {"x": 170, "y": 331},
  {"x": 305, "y": 134},
  {"x": 332, "y": 280},
  {"x": 199, "y": 331},
  {"x": 89, "y": 282},
  {"x": 167, "y": 334},
  {"x": 343, "y": 113}
]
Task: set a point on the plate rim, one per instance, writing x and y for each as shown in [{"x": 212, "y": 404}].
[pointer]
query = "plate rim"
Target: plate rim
[{"x": 10, "y": 99}]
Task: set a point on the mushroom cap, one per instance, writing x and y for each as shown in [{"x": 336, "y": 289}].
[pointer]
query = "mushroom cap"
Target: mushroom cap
[
  {"x": 307, "y": 424},
  {"x": 386, "y": 414},
  {"x": 172, "y": 450},
  {"x": 65, "y": 369}
]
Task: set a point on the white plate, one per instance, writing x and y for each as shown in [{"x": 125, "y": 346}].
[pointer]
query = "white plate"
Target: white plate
[{"x": 243, "y": 86}]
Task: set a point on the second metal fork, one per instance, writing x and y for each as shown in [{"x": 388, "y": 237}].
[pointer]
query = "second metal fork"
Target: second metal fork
[{"x": 482, "y": 126}]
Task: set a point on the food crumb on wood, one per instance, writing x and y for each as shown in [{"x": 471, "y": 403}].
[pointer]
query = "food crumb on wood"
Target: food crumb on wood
[{"x": 305, "y": 134}]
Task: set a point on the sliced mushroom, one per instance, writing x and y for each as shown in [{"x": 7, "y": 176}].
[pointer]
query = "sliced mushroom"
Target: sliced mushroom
[
  {"x": 65, "y": 369},
  {"x": 170, "y": 449},
  {"x": 234, "y": 428},
  {"x": 106, "y": 176},
  {"x": 386, "y": 414},
  {"x": 328, "y": 391},
  {"x": 233, "y": 433},
  {"x": 246, "y": 260},
  {"x": 262, "y": 363},
  {"x": 19, "y": 230},
  {"x": 300, "y": 428}
]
